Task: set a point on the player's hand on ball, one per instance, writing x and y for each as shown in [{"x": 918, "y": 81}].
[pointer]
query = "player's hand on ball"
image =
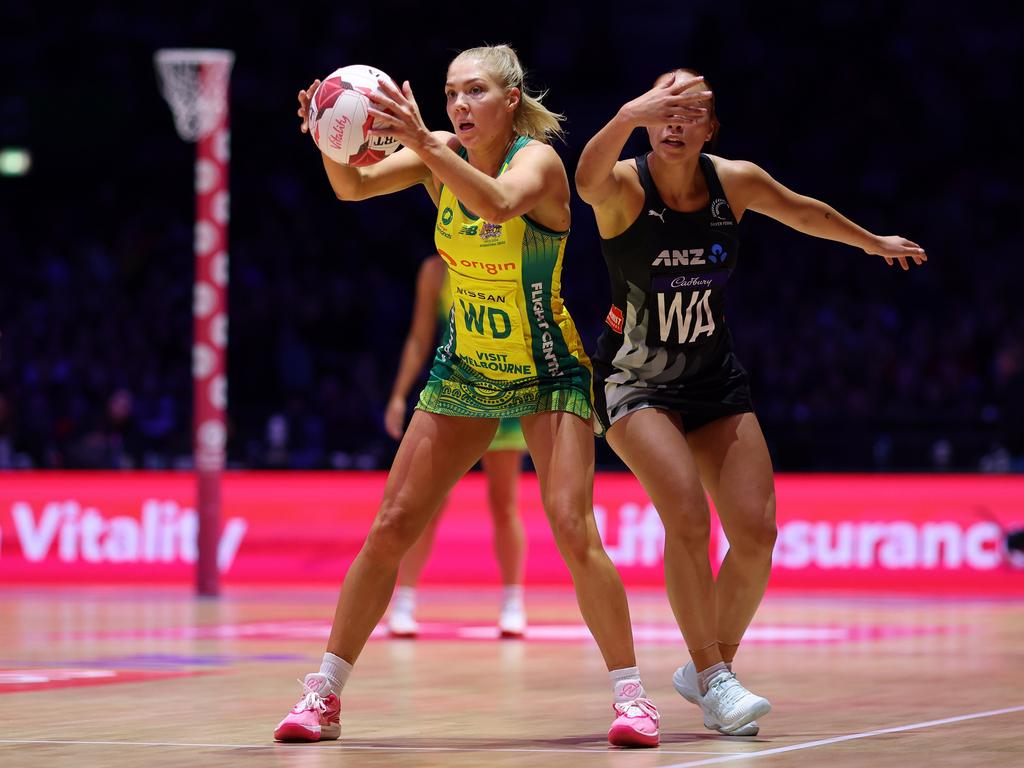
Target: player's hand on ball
[
  {"x": 306, "y": 96},
  {"x": 894, "y": 248},
  {"x": 397, "y": 114}
]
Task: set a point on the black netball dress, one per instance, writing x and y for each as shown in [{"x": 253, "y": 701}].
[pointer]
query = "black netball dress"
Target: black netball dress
[{"x": 666, "y": 344}]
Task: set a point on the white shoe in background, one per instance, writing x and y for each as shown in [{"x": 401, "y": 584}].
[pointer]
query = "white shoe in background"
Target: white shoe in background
[
  {"x": 402, "y": 624},
  {"x": 512, "y": 621}
]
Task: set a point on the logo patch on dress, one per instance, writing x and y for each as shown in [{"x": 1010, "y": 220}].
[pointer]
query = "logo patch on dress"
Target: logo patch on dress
[
  {"x": 669, "y": 283},
  {"x": 721, "y": 214},
  {"x": 615, "y": 320},
  {"x": 490, "y": 231}
]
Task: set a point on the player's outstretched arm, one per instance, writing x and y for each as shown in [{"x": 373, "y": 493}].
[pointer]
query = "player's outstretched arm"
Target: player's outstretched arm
[
  {"x": 752, "y": 188},
  {"x": 398, "y": 171}
]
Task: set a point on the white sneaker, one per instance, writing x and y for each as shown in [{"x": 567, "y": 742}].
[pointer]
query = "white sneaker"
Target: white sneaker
[
  {"x": 402, "y": 624},
  {"x": 728, "y": 705},
  {"x": 685, "y": 682},
  {"x": 512, "y": 621}
]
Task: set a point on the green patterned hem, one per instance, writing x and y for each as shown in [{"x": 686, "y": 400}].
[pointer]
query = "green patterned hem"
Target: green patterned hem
[{"x": 456, "y": 390}]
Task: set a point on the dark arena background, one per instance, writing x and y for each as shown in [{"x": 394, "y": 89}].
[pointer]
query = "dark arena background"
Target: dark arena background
[{"x": 164, "y": 607}]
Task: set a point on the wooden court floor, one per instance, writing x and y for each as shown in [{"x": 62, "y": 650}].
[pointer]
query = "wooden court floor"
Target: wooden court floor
[{"x": 129, "y": 677}]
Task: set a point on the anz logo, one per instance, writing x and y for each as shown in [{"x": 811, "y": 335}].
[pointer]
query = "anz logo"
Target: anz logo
[
  {"x": 679, "y": 258},
  {"x": 688, "y": 257}
]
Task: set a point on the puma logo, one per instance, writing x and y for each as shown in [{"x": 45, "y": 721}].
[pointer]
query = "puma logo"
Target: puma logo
[{"x": 661, "y": 215}]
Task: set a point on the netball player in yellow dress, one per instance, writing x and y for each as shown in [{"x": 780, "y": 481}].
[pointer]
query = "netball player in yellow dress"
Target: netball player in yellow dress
[{"x": 503, "y": 218}]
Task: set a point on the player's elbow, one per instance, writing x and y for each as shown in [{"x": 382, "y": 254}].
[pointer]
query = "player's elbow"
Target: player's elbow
[
  {"x": 498, "y": 212},
  {"x": 347, "y": 183},
  {"x": 591, "y": 190},
  {"x": 421, "y": 340},
  {"x": 348, "y": 192},
  {"x": 584, "y": 184},
  {"x": 587, "y": 192}
]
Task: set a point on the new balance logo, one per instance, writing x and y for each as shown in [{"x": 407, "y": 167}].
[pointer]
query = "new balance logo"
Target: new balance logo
[{"x": 661, "y": 215}]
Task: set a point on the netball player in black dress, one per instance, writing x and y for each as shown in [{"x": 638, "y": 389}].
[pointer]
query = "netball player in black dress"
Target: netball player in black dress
[{"x": 669, "y": 392}]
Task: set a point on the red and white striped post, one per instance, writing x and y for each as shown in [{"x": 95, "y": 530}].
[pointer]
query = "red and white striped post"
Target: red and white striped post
[
  {"x": 195, "y": 83},
  {"x": 210, "y": 337}
]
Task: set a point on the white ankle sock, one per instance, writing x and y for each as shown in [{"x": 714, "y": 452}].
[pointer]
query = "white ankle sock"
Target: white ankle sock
[
  {"x": 626, "y": 684},
  {"x": 705, "y": 677},
  {"x": 336, "y": 670},
  {"x": 512, "y": 597},
  {"x": 404, "y": 600}
]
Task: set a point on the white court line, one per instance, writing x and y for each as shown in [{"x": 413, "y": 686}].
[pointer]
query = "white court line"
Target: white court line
[
  {"x": 719, "y": 757},
  {"x": 352, "y": 747},
  {"x": 837, "y": 739}
]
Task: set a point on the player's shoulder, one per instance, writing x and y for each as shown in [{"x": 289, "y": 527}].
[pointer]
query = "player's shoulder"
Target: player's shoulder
[
  {"x": 534, "y": 151},
  {"x": 735, "y": 169},
  {"x": 627, "y": 164},
  {"x": 449, "y": 139},
  {"x": 540, "y": 158},
  {"x": 433, "y": 264},
  {"x": 431, "y": 273},
  {"x": 626, "y": 170}
]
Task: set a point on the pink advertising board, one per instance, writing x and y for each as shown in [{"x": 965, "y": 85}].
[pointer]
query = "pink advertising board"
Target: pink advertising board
[{"x": 878, "y": 533}]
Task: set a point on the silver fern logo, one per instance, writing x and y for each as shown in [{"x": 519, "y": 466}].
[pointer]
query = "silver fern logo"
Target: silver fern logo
[{"x": 721, "y": 214}]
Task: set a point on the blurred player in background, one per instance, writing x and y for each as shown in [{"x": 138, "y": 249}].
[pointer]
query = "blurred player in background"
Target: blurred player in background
[{"x": 502, "y": 464}]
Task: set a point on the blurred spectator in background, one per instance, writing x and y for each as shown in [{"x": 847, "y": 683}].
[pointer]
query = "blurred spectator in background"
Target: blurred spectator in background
[{"x": 96, "y": 277}]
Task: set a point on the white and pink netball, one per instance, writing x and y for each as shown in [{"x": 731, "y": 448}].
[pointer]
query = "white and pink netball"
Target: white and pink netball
[{"x": 339, "y": 119}]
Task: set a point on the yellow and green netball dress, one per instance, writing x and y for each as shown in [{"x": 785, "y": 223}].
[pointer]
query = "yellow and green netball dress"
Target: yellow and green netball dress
[
  {"x": 512, "y": 348},
  {"x": 509, "y": 436}
]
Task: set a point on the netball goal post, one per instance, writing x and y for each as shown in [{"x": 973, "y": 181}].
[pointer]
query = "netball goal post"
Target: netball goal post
[{"x": 195, "y": 82}]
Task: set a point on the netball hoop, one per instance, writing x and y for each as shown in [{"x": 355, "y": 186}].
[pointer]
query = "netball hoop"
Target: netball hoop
[{"x": 195, "y": 83}]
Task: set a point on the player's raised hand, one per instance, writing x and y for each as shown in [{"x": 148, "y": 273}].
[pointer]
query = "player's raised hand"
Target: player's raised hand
[
  {"x": 670, "y": 102},
  {"x": 396, "y": 114},
  {"x": 305, "y": 97}
]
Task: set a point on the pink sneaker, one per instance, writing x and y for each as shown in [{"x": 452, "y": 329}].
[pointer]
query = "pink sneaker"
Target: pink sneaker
[
  {"x": 315, "y": 717},
  {"x": 635, "y": 725}
]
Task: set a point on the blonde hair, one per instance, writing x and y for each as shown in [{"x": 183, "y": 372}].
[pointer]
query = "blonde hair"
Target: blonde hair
[{"x": 532, "y": 118}]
